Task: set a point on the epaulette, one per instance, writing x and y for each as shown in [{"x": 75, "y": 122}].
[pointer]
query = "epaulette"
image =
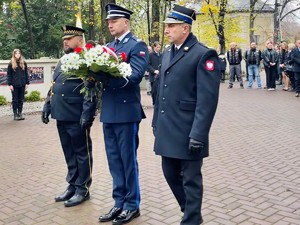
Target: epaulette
[
  {"x": 135, "y": 38},
  {"x": 200, "y": 43}
]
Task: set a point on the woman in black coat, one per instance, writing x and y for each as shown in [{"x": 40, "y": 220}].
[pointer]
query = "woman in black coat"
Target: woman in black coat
[{"x": 17, "y": 80}]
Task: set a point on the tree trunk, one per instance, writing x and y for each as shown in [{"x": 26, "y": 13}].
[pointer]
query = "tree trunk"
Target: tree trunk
[
  {"x": 276, "y": 22},
  {"x": 104, "y": 35},
  {"x": 91, "y": 20},
  {"x": 221, "y": 25},
  {"x": 148, "y": 21},
  {"x": 251, "y": 21},
  {"x": 29, "y": 28},
  {"x": 155, "y": 21}
]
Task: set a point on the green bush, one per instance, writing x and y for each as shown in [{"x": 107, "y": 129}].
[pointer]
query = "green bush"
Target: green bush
[
  {"x": 3, "y": 100},
  {"x": 33, "y": 96}
]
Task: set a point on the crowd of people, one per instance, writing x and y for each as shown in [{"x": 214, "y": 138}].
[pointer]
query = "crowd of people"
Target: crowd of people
[{"x": 281, "y": 64}]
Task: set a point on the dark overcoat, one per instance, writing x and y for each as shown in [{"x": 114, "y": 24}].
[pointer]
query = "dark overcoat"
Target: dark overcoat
[
  {"x": 121, "y": 98},
  {"x": 18, "y": 77},
  {"x": 295, "y": 57},
  {"x": 154, "y": 64},
  {"x": 187, "y": 101}
]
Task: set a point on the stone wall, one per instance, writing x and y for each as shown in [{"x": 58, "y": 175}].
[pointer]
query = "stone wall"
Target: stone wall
[{"x": 39, "y": 70}]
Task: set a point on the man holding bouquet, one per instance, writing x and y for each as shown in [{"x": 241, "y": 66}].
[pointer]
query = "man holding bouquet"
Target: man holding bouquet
[
  {"x": 121, "y": 114},
  {"x": 74, "y": 116}
]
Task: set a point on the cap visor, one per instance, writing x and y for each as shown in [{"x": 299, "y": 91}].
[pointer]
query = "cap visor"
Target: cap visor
[
  {"x": 68, "y": 36},
  {"x": 114, "y": 17},
  {"x": 172, "y": 20}
]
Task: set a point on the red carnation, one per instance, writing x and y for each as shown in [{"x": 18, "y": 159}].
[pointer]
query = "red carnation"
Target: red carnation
[
  {"x": 89, "y": 46},
  {"x": 78, "y": 50},
  {"x": 123, "y": 56}
]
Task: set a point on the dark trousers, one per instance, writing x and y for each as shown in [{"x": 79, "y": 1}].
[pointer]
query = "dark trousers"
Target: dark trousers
[
  {"x": 121, "y": 143},
  {"x": 77, "y": 147},
  {"x": 271, "y": 73},
  {"x": 297, "y": 82},
  {"x": 185, "y": 180},
  {"x": 154, "y": 88},
  {"x": 18, "y": 98},
  {"x": 222, "y": 78}
]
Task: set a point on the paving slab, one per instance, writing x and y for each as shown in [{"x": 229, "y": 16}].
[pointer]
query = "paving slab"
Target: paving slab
[{"x": 251, "y": 177}]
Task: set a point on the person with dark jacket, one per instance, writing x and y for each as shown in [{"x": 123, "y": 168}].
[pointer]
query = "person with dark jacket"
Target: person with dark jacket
[
  {"x": 153, "y": 68},
  {"x": 223, "y": 66},
  {"x": 295, "y": 56},
  {"x": 253, "y": 58},
  {"x": 74, "y": 114},
  {"x": 234, "y": 57},
  {"x": 270, "y": 60},
  {"x": 289, "y": 69},
  {"x": 281, "y": 61},
  {"x": 183, "y": 113},
  {"x": 18, "y": 81}
]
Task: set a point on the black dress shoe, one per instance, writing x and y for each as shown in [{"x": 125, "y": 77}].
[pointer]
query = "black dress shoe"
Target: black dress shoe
[
  {"x": 112, "y": 214},
  {"x": 77, "y": 199},
  {"x": 64, "y": 196},
  {"x": 126, "y": 216}
]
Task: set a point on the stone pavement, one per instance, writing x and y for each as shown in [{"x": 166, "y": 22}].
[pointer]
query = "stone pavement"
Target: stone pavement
[{"x": 251, "y": 177}]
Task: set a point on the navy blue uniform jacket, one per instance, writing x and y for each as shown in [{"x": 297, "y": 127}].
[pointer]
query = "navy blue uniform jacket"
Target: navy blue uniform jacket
[
  {"x": 66, "y": 102},
  {"x": 187, "y": 99},
  {"x": 121, "y": 98}
]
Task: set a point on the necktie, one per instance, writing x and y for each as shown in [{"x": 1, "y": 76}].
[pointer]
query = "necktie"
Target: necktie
[
  {"x": 175, "y": 50},
  {"x": 117, "y": 41}
]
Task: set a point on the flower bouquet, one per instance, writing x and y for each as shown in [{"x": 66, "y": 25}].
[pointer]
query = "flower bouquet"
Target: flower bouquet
[{"x": 95, "y": 59}]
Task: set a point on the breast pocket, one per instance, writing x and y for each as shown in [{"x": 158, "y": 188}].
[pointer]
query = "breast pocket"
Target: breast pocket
[
  {"x": 187, "y": 105},
  {"x": 73, "y": 100}
]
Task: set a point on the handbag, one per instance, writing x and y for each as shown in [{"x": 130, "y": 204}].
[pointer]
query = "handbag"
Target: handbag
[{"x": 289, "y": 68}]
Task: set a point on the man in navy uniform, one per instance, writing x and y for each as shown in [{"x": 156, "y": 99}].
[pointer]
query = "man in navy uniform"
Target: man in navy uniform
[
  {"x": 184, "y": 111},
  {"x": 121, "y": 114},
  {"x": 74, "y": 116}
]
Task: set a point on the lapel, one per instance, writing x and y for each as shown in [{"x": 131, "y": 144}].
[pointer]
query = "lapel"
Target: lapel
[
  {"x": 123, "y": 42},
  {"x": 57, "y": 71},
  {"x": 184, "y": 49}
]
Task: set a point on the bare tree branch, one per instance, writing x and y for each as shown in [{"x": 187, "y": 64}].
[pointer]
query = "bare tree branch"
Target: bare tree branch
[{"x": 294, "y": 10}]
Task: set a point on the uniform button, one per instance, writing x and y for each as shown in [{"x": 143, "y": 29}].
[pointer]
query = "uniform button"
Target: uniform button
[
  {"x": 114, "y": 89},
  {"x": 162, "y": 111},
  {"x": 165, "y": 85},
  {"x": 53, "y": 82},
  {"x": 124, "y": 101},
  {"x": 62, "y": 95},
  {"x": 168, "y": 72},
  {"x": 164, "y": 99},
  {"x": 63, "y": 83}
]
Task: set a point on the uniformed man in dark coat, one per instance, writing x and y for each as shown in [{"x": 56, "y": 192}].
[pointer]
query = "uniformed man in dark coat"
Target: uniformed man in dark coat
[
  {"x": 121, "y": 114},
  {"x": 74, "y": 114},
  {"x": 184, "y": 111}
]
